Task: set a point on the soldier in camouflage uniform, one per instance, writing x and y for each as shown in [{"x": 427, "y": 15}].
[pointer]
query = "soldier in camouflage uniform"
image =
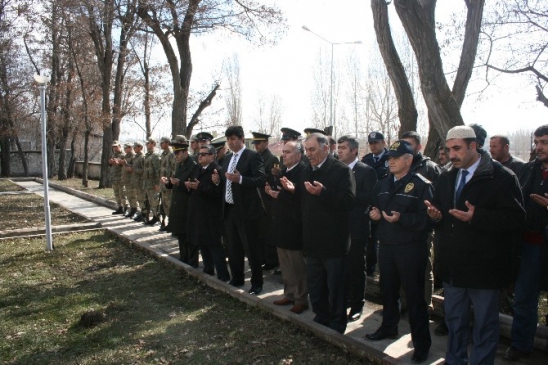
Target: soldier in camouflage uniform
[
  {"x": 151, "y": 179},
  {"x": 167, "y": 169},
  {"x": 126, "y": 179},
  {"x": 116, "y": 165},
  {"x": 137, "y": 164}
]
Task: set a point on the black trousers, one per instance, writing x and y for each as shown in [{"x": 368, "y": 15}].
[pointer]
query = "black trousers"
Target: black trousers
[
  {"x": 403, "y": 265},
  {"x": 326, "y": 281},
  {"x": 242, "y": 239},
  {"x": 371, "y": 255},
  {"x": 215, "y": 256},
  {"x": 356, "y": 273},
  {"x": 188, "y": 253}
]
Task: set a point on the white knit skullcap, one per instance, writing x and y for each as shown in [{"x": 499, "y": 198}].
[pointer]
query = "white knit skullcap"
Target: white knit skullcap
[{"x": 460, "y": 131}]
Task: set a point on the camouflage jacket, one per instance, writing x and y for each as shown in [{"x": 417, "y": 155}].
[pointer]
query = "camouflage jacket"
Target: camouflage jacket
[
  {"x": 167, "y": 164},
  {"x": 126, "y": 173},
  {"x": 151, "y": 170},
  {"x": 116, "y": 169},
  {"x": 137, "y": 164}
]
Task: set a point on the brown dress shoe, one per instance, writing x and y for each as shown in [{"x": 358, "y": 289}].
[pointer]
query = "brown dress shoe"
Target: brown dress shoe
[
  {"x": 283, "y": 301},
  {"x": 298, "y": 309}
]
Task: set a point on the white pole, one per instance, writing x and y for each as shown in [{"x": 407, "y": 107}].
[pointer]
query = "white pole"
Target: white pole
[{"x": 42, "y": 80}]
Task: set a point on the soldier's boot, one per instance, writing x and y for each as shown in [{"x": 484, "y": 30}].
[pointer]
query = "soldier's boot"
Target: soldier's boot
[
  {"x": 153, "y": 221},
  {"x": 163, "y": 227},
  {"x": 131, "y": 213},
  {"x": 120, "y": 210},
  {"x": 138, "y": 217}
]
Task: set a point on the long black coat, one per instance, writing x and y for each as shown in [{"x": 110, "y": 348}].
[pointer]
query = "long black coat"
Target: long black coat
[
  {"x": 204, "y": 224},
  {"x": 286, "y": 230},
  {"x": 366, "y": 179},
  {"x": 247, "y": 198},
  {"x": 479, "y": 254},
  {"x": 326, "y": 217},
  {"x": 178, "y": 212}
]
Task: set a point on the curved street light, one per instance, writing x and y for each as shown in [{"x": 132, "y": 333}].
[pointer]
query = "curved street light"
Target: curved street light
[{"x": 42, "y": 81}]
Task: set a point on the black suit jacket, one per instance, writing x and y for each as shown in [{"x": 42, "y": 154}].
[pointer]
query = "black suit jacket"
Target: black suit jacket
[
  {"x": 326, "y": 217},
  {"x": 247, "y": 198},
  {"x": 205, "y": 224},
  {"x": 366, "y": 179}
]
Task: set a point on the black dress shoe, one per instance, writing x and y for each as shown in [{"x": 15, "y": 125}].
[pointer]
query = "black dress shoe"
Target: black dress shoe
[
  {"x": 163, "y": 229},
  {"x": 255, "y": 290},
  {"x": 354, "y": 314},
  {"x": 419, "y": 356},
  {"x": 236, "y": 283},
  {"x": 441, "y": 329},
  {"x": 381, "y": 335},
  {"x": 514, "y": 354},
  {"x": 153, "y": 221}
]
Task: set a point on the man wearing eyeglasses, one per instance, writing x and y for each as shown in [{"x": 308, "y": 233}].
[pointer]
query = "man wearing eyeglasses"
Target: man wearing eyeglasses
[{"x": 204, "y": 226}]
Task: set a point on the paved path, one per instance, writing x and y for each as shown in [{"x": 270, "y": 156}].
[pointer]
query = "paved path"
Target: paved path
[{"x": 164, "y": 245}]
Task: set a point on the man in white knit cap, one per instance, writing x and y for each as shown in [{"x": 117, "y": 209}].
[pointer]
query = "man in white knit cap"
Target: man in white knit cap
[{"x": 477, "y": 207}]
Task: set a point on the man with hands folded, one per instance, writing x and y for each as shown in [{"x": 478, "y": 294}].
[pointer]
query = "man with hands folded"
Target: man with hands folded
[{"x": 403, "y": 227}]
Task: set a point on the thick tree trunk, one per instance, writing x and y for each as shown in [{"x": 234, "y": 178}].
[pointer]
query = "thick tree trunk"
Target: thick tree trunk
[
  {"x": 407, "y": 111},
  {"x": 418, "y": 21},
  {"x": 85, "y": 168},
  {"x": 22, "y": 157},
  {"x": 6, "y": 148},
  {"x": 72, "y": 161}
]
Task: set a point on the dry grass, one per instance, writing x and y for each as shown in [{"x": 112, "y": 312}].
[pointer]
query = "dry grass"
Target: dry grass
[
  {"x": 6, "y": 185},
  {"x": 92, "y": 188},
  {"x": 147, "y": 312},
  {"x": 27, "y": 210}
]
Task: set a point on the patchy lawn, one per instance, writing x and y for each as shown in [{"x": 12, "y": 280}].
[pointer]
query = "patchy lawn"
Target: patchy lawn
[
  {"x": 6, "y": 185},
  {"x": 92, "y": 188},
  {"x": 27, "y": 210},
  {"x": 136, "y": 311}
]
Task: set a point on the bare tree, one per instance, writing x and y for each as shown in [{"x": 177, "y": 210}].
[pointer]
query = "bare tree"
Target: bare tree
[
  {"x": 515, "y": 38},
  {"x": 233, "y": 98},
  {"x": 180, "y": 18},
  {"x": 268, "y": 115},
  {"x": 418, "y": 20}
]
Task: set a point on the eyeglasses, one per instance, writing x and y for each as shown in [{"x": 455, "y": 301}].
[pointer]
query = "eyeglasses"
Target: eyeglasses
[{"x": 203, "y": 154}]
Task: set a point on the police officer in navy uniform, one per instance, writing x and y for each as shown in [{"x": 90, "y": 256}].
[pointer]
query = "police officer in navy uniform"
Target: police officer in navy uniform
[
  {"x": 401, "y": 215},
  {"x": 377, "y": 159}
]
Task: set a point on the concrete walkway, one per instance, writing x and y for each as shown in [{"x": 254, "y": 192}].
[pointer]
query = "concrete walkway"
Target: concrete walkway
[{"x": 165, "y": 246}]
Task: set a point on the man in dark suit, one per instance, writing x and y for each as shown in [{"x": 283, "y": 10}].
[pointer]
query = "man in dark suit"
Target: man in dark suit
[
  {"x": 243, "y": 176},
  {"x": 286, "y": 230},
  {"x": 204, "y": 225},
  {"x": 270, "y": 256},
  {"x": 328, "y": 195},
  {"x": 179, "y": 198},
  {"x": 477, "y": 206},
  {"x": 366, "y": 179}
]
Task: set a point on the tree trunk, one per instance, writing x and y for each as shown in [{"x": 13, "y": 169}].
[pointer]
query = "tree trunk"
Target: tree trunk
[
  {"x": 5, "y": 144},
  {"x": 419, "y": 24},
  {"x": 22, "y": 156},
  {"x": 85, "y": 168},
  {"x": 407, "y": 110},
  {"x": 72, "y": 161},
  {"x": 466, "y": 66}
]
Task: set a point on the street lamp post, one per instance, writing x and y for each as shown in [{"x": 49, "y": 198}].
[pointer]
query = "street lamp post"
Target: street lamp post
[
  {"x": 333, "y": 44},
  {"x": 42, "y": 81}
]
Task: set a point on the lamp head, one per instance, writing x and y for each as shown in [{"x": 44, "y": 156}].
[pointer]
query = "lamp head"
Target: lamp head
[
  {"x": 41, "y": 79},
  {"x": 306, "y": 28}
]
